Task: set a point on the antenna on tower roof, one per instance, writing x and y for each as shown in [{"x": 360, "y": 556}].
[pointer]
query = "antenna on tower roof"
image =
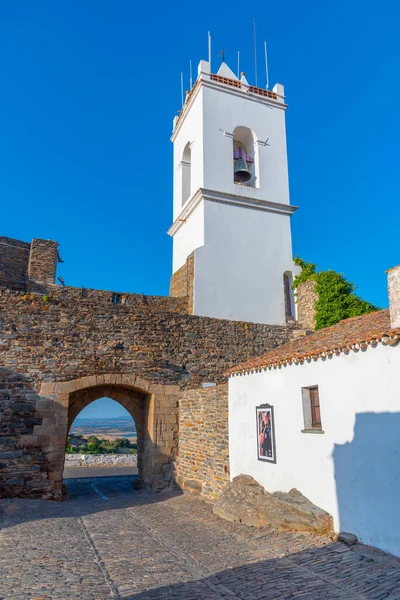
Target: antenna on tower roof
[
  {"x": 182, "y": 88},
  {"x": 191, "y": 77},
  {"x": 209, "y": 50},
  {"x": 238, "y": 65},
  {"x": 255, "y": 53},
  {"x": 266, "y": 64}
]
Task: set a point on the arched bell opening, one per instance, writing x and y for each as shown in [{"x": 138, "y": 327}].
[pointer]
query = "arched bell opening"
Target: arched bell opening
[{"x": 245, "y": 166}]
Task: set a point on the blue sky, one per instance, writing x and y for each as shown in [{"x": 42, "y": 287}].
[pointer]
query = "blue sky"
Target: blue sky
[
  {"x": 88, "y": 93},
  {"x": 104, "y": 407}
]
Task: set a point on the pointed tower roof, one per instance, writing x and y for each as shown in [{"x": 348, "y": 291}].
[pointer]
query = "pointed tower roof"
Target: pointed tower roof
[
  {"x": 225, "y": 71},
  {"x": 243, "y": 78}
]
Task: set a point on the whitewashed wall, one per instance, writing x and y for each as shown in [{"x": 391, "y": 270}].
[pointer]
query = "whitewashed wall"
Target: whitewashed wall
[
  {"x": 191, "y": 130},
  {"x": 223, "y": 111},
  {"x": 189, "y": 237},
  {"x": 239, "y": 270},
  {"x": 352, "y": 470}
]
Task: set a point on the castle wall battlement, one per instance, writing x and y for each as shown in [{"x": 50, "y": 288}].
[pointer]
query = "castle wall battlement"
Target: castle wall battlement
[
  {"x": 23, "y": 264},
  {"x": 14, "y": 260}
]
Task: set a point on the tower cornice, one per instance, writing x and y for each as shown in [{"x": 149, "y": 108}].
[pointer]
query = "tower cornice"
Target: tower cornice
[
  {"x": 215, "y": 82},
  {"x": 231, "y": 199}
]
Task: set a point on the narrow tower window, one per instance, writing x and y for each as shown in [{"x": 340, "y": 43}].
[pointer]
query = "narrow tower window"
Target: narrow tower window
[
  {"x": 186, "y": 166},
  {"x": 288, "y": 292}
]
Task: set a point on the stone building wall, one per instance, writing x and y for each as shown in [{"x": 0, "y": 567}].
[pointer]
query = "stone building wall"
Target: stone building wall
[
  {"x": 203, "y": 459},
  {"x": 54, "y": 346},
  {"x": 14, "y": 259},
  {"x": 306, "y": 298},
  {"x": 69, "y": 335},
  {"x": 182, "y": 282}
]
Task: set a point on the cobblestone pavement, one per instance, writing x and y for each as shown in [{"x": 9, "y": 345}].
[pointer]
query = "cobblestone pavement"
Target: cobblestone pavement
[{"x": 108, "y": 542}]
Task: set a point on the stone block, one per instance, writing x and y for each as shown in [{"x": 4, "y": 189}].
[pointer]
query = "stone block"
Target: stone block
[
  {"x": 79, "y": 384},
  {"x": 172, "y": 390},
  {"x": 46, "y": 388},
  {"x": 347, "y": 538},
  {"x": 246, "y": 501},
  {"x": 142, "y": 384},
  {"x": 158, "y": 389},
  {"x": 92, "y": 380},
  {"x": 44, "y": 404},
  {"x": 85, "y": 382},
  {"x": 100, "y": 380},
  {"x": 68, "y": 387}
]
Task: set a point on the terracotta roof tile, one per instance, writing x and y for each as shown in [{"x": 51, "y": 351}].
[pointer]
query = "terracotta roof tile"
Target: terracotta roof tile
[{"x": 345, "y": 335}]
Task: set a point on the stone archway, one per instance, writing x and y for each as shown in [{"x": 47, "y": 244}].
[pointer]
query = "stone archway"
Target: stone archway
[{"x": 153, "y": 407}]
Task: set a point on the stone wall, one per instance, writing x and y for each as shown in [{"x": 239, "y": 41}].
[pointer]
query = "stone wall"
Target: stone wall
[
  {"x": 14, "y": 258},
  {"x": 203, "y": 458},
  {"x": 23, "y": 464},
  {"x": 306, "y": 298},
  {"x": 70, "y": 335},
  {"x": 104, "y": 300},
  {"x": 62, "y": 350},
  {"x": 100, "y": 460},
  {"x": 43, "y": 261},
  {"x": 182, "y": 282}
]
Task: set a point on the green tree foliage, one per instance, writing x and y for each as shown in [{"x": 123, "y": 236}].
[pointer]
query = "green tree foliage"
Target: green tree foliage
[
  {"x": 69, "y": 448},
  {"x": 122, "y": 443},
  {"x": 94, "y": 445},
  {"x": 336, "y": 297},
  {"x": 93, "y": 449},
  {"x": 92, "y": 439}
]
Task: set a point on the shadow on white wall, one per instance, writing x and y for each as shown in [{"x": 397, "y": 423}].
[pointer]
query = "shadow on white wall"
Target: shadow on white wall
[{"x": 367, "y": 474}]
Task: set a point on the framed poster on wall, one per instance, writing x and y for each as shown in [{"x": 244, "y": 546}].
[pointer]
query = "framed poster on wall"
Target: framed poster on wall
[{"x": 266, "y": 433}]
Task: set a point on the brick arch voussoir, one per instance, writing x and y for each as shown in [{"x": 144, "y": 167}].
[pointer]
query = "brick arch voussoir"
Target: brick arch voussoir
[{"x": 109, "y": 380}]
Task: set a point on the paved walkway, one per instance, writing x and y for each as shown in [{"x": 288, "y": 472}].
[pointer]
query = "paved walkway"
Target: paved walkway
[{"x": 108, "y": 542}]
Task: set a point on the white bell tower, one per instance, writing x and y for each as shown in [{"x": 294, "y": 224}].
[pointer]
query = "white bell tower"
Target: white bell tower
[{"x": 231, "y": 199}]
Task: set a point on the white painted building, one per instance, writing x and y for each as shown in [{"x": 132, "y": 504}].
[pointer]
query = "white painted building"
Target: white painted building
[
  {"x": 237, "y": 222},
  {"x": 336, "y": 410}
]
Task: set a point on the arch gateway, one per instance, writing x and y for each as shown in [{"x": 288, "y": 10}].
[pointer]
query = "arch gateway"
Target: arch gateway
[{"x": 153, "y": 407}]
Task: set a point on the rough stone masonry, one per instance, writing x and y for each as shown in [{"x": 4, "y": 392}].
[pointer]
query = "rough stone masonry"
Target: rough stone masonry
[{"x": 62, "y": 348}]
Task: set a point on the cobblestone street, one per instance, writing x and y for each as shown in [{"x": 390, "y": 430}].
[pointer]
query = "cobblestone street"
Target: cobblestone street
[{"x": 106, "y": 541}]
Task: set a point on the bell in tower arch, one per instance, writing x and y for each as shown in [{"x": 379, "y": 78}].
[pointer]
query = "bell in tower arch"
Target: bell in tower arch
[{"x": 241, "y": 169}]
